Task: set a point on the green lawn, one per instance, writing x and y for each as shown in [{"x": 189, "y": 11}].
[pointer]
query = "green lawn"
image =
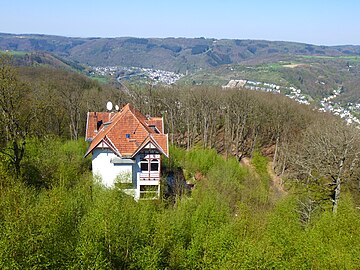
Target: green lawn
[
  {"x": 349, "y": 58},
  {"x": 14, "y": 53}
]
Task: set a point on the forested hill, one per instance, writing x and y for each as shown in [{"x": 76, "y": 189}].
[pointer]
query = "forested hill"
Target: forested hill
[
  {"x": 55, "y": 215},
  {"x": 173, "y": 54}
]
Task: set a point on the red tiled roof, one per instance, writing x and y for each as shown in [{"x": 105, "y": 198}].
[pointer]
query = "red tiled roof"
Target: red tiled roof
[
  {"x": 94, "y": 119},
  {"x": 125, "y": 131},
  {"x": 157, "y": 122}
]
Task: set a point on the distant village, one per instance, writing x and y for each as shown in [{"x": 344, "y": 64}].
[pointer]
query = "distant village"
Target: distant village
[
  {"x": 346, "y": 113},
  {"x": 327, "y": 104},
  {"x": 154, "y": 75}
]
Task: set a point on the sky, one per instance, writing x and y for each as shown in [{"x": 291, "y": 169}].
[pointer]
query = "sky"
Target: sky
[{"x": 320, "y": 22}]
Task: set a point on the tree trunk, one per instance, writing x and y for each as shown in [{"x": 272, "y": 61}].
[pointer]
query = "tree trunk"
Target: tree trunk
[
  {"x": 172, "y": 127},
  {"x": 206, "y": 130},
  {"x": 336, "y": 195},
  {"x": 254, "y": 142},
  {"x": 338, "y": 184},
  {"x": 276, "y": 151},
  {"x": 18, "y": 156}
]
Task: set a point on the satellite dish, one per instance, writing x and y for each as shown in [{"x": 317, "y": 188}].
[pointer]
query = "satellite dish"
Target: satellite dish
[
  {"x": 109, "y": 106},
  {"x": 117, "y": 107}
]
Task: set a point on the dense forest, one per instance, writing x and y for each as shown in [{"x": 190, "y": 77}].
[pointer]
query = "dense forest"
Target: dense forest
[{"x": 276, "y": 184}]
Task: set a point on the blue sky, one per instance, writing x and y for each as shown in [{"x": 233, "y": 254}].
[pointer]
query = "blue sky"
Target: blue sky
[{"x": 321, "y": 22}]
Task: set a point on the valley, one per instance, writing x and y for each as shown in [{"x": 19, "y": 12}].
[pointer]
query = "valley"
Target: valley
[
  {"x": 258, "y": 155},
  {"x": 323, "y": 92},
  {"x": 179, "y": 135}
]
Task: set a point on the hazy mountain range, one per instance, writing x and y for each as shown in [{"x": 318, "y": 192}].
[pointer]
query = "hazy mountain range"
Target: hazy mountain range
[{"x": 173, "y": 54}]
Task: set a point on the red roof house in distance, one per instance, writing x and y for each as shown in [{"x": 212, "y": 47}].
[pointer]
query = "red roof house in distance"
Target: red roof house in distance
[{"x": 126, "y": 149}]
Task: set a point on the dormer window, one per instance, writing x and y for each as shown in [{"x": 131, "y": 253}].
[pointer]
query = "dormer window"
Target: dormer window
[
  {"x": 153, "y": 127},
  {"x": 98, "y": 124}
]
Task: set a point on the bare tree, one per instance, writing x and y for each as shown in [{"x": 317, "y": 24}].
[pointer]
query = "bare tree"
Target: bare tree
[
  {"x": 328, "y": 155},
  {"x": 16, "y": 114},
  {"x": 71, "y": 94}
]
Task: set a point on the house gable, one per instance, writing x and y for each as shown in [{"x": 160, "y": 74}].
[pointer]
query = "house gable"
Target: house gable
[
  {"x": 123, "y": 144},
  {"x": 125, "y": 131},
  {"x": 151, "y": 144}
]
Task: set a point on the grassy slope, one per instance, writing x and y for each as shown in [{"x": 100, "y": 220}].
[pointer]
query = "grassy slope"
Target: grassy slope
[
  {"x": 305, "y": 72},
  {"x": 23, "y": 58}
]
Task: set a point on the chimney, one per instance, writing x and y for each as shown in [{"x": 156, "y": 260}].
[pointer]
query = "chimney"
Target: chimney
[{"x": 95, "y": 122}]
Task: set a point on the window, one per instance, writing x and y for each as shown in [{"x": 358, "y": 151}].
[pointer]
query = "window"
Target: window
[
  {"x": 149, "y": 188},
  {"x": 154, "y": 166},
  {"x": 154, "y": 128},
  {"x": 98, "y": 124},
  {"x": 144, "y": 165},
  {"x": 149, "y": 191},
  {"x": 150, "y": 165}
]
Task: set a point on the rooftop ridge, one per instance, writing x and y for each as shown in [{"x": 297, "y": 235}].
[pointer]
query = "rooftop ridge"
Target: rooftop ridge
[{"x": 129, "y": 120}]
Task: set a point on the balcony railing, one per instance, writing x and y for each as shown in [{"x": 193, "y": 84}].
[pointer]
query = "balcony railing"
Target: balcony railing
[{"x": 146, "y": 176}]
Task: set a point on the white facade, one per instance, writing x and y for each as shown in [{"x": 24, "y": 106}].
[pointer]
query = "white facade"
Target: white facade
[
  {"x": 142, "y": 174},
  {"x": 104, "y": 165}
]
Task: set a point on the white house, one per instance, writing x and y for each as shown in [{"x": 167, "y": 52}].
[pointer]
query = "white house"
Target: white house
[{"x": 126, "y": 150}]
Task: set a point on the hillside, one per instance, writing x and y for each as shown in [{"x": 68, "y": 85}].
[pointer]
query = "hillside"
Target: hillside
[
  {"x": 54, "y": 214},
  {"x": 315, "y": 71},
  {"x": 22, "y": 58},
  {"x": 172, "y": 54},
  {"x": 317, "y": 76}
]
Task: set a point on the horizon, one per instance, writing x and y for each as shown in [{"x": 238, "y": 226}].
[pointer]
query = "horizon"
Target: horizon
[
  {"x": 319, "y": 22},
  {"x": 169, "y": 37}
]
